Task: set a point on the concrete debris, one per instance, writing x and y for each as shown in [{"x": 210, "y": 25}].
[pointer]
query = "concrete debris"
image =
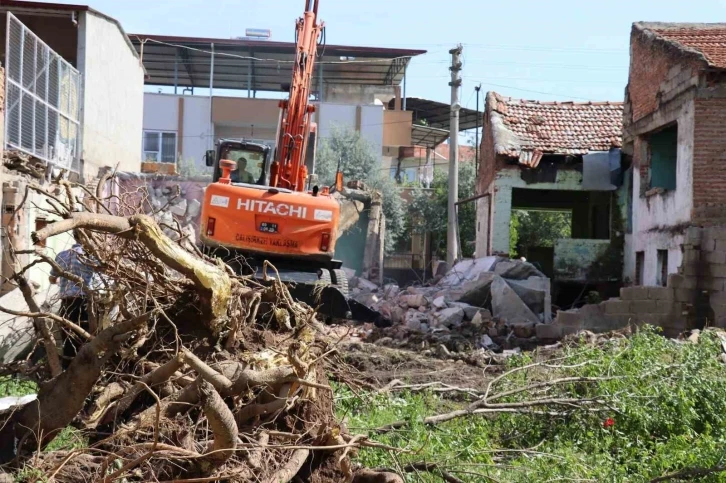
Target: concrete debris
[
  {"x": 414, "y": 300},
  {"x": 363, "y": 284},
  {"x": 451, "y": 317},
  {"x": 507, "y": 305},
  {"x": 467, "y": 271},
  {"x": 174, "y": 212},
  {"x": 473, "y": 307},
  {"x": 439, "y": 302}
]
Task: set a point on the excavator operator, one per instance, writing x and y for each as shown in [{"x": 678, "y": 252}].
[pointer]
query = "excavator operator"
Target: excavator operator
[{"x": 241, "y": 175}]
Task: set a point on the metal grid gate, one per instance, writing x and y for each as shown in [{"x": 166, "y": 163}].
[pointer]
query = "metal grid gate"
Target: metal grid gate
[{"x": 42, "y": 98}]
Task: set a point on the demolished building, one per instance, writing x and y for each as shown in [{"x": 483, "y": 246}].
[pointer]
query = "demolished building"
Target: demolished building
[
  {"x": 558, "y": 157},
  {"x": 674, "y": 130}
]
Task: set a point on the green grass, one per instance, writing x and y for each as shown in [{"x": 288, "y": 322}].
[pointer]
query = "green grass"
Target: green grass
[
  {"x": 69, "y": 438},
  {"x": 12, "y": 386},
  {"x": 668, "y": 405}
]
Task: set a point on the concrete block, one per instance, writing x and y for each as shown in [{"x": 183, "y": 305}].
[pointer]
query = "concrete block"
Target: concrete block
[
  {"x": 710, "y": 283},
  {"x": 720, "y": 245},
  {"x": 719, "y": 314},
  {"x": 718, "y": 271},
  {"x": 660, "y": 293},
  {"x": 570, "y": 330},
  {"x": 691, "y": 269},
  {"x": 648, "y": 319},
  {"x": 622, "y": 320},
  {"x": 677, "y": 280},
  {"x": 569, "y": 319},
  {"x": 634, "y": 293},
  {"x": 664, "y": 307},
  {"x": 708, "y": 244},
  {"x": 643, "y": 306},
  {"x": 616, "y": 306},
  {"x": 691, "y": 256},
  {"x": 718, "y": 258},
  {"x": 548, "y": 331},
  {"x": 717, "y": 298},
  {"x": 713, "y": 233},
  {"x": 693, "y": 235},
  {"x": 684, "y": 295}
]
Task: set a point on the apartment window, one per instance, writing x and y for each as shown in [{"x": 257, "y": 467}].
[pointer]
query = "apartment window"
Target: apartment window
[
  {"x": 662, "y": 268},
  {"x": 662, "y": 156},
  {"x": 639, "y": 267},
  {"x": 159, "y": 147}
]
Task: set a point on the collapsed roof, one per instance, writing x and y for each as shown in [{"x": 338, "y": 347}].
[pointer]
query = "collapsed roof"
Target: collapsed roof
[{"x": 526, "y": 129}]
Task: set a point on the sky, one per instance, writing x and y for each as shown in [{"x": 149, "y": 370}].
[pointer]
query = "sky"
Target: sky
[{"x": 531, "y": 49}]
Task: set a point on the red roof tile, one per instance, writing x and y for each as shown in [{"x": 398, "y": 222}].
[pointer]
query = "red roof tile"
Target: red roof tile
[
  {"x": 709, "y": 40},
  {"x": 553, "y": 127}
]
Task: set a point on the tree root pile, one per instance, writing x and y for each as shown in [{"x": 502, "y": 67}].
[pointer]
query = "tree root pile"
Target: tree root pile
[{"x": 185, "y": 372}]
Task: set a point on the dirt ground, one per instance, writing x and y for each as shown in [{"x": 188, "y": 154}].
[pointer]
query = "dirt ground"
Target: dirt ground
[
  {"x": 383, "y": 364},
  {"x": 375, "y": 365}
]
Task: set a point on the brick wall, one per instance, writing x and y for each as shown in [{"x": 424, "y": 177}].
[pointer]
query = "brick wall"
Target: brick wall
[
  {"x": 653, "y": 63},
  {"x": 709, "y": 160},
  {"x": 487, "y": 166}
]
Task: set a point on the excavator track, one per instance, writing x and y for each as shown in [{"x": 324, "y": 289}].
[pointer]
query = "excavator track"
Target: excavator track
[{"x": 326, "y": 291}]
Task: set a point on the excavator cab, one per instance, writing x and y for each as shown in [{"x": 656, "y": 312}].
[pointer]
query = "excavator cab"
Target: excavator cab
[{"x": 252, "y": 159}]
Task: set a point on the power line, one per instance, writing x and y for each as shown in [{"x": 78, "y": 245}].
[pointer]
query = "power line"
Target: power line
[{"x": 531, "y": 90}]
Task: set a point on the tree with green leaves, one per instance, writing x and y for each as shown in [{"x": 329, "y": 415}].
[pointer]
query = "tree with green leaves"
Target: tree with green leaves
[
  {"x": 537, "y": 229},
  {"x": 429, "y": 209},
  {"x": 358, "y": 160}
]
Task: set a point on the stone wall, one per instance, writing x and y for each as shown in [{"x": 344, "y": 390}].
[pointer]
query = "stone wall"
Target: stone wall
[{"x": 694, "y": 297}]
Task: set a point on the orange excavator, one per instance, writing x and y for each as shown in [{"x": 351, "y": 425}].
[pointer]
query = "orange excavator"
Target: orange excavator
[{"x": 264, "y": 206}]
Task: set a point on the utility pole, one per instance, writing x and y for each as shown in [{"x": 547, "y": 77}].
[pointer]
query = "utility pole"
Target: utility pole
[
  {"x": 452, "y": 246},
  {"x": 476, "y": 159}
]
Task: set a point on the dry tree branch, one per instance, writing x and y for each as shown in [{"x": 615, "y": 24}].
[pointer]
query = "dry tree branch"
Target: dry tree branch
[
  {"x": 221, "y": 422},
  {"x": 690, "y": 474},
  {"x": 144, "y": 457},
  {"x": 291, "y": 468},
  {"x": 211, "y": 281},
  {"x": 484, "y": 405},
  {"x": 47, "y": 315},
  {"x": 42, "y": 324},
  {"x": 434, "y": 469}
]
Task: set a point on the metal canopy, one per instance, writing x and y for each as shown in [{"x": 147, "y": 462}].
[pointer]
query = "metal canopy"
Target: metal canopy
[
  {"x": 427, "y": 136},
  {"x": 261, "y": 65},
  {"x": 438, "y": 114}
]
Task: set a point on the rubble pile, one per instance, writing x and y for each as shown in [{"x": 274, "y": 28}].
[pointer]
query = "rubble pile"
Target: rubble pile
[
  {"x": 171, "y": 206},
  {"x": 492, "y": 304}
]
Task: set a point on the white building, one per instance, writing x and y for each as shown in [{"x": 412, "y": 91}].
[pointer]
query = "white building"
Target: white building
[
  {"x": 211, "y": 89},
  {"x": 74, "y": 88}
]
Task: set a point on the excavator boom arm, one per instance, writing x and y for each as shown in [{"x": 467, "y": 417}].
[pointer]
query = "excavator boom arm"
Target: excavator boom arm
[{"x": 288, "y": 169}]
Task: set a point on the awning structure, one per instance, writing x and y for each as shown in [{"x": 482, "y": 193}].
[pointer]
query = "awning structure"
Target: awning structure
[
  {"x": 261, "y": 65},
  {"x": 428, "y": 137},
  {"x": 438, "y": 114}
]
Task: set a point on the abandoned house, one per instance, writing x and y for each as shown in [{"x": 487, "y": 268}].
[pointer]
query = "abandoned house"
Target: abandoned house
[
  {"x": 674, "y": 130},
  {"x": 554, "y": 157}
]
